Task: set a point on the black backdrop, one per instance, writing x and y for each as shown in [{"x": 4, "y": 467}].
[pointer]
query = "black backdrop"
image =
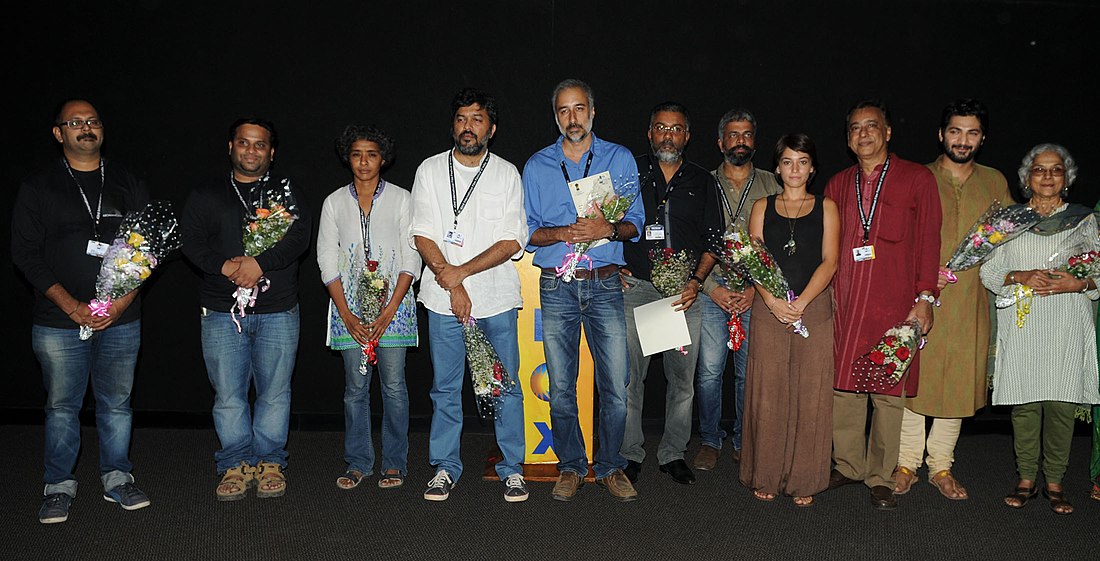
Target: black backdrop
[{"x": 168, "y": 78}]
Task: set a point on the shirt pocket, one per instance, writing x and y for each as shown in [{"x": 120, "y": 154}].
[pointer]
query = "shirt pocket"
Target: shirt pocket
[
  {"x": 894, "y": 222},
  {"x": 491, "y": 207}
]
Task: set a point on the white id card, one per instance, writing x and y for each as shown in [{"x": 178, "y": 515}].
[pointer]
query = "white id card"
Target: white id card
[
  {"x": 654, "y": 232},
  {"x": 454, "y": 237},
  {"x": 863, "y": 253},
  {"x": 96, "y": 248}
]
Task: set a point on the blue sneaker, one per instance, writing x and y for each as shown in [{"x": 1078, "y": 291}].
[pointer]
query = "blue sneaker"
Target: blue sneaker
[
  {"x": 127, "y": 496},
  {"x": 55, "y": 508}
]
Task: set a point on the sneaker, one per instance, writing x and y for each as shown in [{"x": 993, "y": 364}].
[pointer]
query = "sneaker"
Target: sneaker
[
  {"x": 515, "y": 490},
  {"x": 439, "y": 488},
  {"x": 127, "y": 496},
  {"x": 55, "y": 508},
  {"x": 566, "y": 487},
  {"x": 619, "y": 486}
]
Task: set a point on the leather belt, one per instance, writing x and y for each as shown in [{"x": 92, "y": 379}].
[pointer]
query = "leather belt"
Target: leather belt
[{"x": 584, "y": 274}]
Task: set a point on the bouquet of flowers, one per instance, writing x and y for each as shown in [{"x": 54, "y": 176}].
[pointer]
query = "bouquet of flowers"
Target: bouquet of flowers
[
  {"x": 373, "y": 292},
  {"x": 612, "y": 205},
  {"x": 487, "y": 372},
  {"x": 143, "y": 239},
  {"x": 736, "y": 281},
  {"x": 1078, "y": 255},
  {"x": 671, "y": 270},
  {"x": 996, "y": 226},
  {"x": 269, "y": 221},
  {"x": 883, "y": 367},
  {"x": 758, "y": 264}
]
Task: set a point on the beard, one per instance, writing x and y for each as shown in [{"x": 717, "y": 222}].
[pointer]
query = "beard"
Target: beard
[
  {"x": 577, "y": 132},
  {"x": 666, "y": 152},
  {"x": 470, "y": 149},
  {"x": 949, "y": 151},
  {"x": 739, "y": 155}
]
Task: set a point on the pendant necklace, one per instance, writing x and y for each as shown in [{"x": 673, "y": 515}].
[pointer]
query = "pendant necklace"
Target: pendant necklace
[{"x": 790, "y": 246}]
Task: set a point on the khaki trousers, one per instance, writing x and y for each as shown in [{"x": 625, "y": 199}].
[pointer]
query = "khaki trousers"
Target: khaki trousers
[
  {"x": 940, "y": 442},
  {"x": 870, "y": 459}
]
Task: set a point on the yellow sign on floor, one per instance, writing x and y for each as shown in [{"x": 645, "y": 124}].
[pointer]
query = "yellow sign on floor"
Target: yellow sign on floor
[{"x": 534, "y": 378}]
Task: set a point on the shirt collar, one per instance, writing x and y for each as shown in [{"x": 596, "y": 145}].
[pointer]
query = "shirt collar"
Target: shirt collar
[{"x": 377, "y": 192}]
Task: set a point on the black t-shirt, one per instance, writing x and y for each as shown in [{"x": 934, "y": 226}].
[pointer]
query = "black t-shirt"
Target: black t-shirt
[
  {"x": 691, "y": 217},
  {"x": 51, "y": 227}
]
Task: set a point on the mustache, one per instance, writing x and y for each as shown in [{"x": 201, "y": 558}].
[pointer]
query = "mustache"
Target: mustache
[{"x": 87, "y": 135}]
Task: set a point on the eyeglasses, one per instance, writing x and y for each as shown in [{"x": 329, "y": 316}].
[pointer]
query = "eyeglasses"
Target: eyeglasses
[
  {"x": 1055, "y": 171},
  {"x": 661, "y": 128},
  {"x": 79, "y": 123}
]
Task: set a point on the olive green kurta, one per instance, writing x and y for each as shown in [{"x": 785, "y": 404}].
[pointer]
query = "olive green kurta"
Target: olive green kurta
[{"x": 953, "y": 363}]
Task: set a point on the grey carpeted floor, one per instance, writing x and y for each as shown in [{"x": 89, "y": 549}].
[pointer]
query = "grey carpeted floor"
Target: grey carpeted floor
[{"x": 715, "y": 519}]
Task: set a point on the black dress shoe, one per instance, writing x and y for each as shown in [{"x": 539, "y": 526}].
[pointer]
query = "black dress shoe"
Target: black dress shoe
[
  {"x": 631, "y": 471},
  {"x": 837, "y": 479},
  {"x": 679, "y": 471},
  {"x": 882, "y": 498}
]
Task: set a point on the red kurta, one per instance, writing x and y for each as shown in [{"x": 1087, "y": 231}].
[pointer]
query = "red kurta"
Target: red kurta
[{"x": 872, "y": 296}]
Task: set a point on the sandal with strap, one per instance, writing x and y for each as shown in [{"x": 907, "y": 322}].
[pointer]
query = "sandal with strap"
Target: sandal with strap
[
  {"x": 235, "y": 482},
  {"x": 349, "y": 480},
  {"x": 948, "y": 486},
  {"x": 1095, "y": 493},
  {"x": 1021, "y": 495},
  {"x": 762, "y": 496},
  {"x": 270, "y": 480},
  {"x": 391, "y": 479},
  {"x": 1058, "y": 502},
  {"x": 803, "y": 502},
  {"x": 904, "y": 478}
]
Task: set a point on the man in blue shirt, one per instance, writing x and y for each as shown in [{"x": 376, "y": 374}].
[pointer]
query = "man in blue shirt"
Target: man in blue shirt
[{"x": 593, "y": 296}]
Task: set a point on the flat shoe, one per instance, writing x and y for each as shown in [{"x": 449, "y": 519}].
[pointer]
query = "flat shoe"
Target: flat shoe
[{"x": 904, "y": 478}]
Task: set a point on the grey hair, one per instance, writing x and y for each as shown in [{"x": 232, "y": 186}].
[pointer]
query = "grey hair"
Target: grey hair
[
  {"x": 1029, "y": 160},
  {"x": 736, "y": 115},
  {"x": 572, "y": 83}
]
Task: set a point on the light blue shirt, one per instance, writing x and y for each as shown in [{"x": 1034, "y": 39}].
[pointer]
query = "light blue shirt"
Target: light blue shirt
[{"x": 549, "y": 204}]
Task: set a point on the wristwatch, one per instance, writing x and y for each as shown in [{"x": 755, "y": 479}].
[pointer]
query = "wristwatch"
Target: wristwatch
[
  {"x": 927, "y": 298},
  {"x": 614, "y": 232}
]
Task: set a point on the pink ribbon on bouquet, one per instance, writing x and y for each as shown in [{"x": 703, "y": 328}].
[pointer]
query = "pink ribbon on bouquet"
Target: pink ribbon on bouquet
[
  {"x": 100, "y": 308},
  {"x": 246, "y": 298},
  {"x": 570, "y": 262}
]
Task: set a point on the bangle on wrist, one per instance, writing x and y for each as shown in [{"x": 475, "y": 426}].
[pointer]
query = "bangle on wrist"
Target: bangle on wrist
[
  {"x": 1085, "y": 288},
  {"x": 1012, "y": 278}
]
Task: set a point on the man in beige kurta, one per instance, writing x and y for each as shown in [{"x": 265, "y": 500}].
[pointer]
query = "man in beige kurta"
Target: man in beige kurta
[{"x": 953, "y": 363}]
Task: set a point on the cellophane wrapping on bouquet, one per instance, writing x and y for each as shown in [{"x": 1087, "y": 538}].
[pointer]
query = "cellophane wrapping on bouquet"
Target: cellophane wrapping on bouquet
[
  {"x": 144, "y": 238},
  {"x": 997, "y": 225},
  {"x": 274, "y": 212},
  {"x": 754, "y": 260},
  {"x": 1078, "y": 255},
  {"x": 489, "y": 376},
  {"x": 373, "y": 293},
  {"x": 886, "y": 363},
  {"x": 734, "y": 278},
  {"x": 612, "y": 205}
]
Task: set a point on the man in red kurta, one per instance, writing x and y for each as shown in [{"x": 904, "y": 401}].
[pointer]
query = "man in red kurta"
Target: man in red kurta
[{"x": 890, "y": 241}]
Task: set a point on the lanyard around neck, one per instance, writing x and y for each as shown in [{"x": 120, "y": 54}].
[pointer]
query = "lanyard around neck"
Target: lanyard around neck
[
  {"x": 866, "y": 219},
  {"x": 98, "y": 214},
  {"x": 587, "y": 166},
  {"x": 364, "y": 217},
  {"x": 236, "y": 189},
  {"x": 455, "y": 205}
]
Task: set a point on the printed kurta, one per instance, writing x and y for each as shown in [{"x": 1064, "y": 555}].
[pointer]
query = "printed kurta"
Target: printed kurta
[
  {"x": 1053, "y": 356},
  {"x": 872, "y": 296},
  {"x": 953, "y": 363}
]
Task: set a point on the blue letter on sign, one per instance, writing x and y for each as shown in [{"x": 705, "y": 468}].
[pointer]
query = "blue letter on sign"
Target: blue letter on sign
[{"x": 547, "y": 441}]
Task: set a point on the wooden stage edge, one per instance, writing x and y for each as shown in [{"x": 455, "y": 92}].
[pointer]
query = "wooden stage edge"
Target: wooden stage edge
[{"x": 531, "y": 472}]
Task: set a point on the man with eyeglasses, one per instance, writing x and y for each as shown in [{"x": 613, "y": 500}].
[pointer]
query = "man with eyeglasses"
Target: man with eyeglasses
[
  {"x": 593, "y": 296},
  {"x": 681, "y": 214},
  {"x": 65, "y": 217},
  {"x": 890, "y": 256},
  {"x": 740, "y": 185},
  {"x": 953, "y": 364},
  {"x": 249, "y": 317}
]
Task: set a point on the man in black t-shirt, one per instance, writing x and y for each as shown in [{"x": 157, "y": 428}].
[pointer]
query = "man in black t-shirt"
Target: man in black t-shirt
[
  {"x": 681, "y": 215},
  {"x": 65, "y": 217},
  {"x": 249, "y": 298}
]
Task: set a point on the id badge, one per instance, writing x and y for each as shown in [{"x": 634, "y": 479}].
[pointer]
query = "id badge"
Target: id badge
[
  {"x": 863, "y": 253},
  {"x": 654, "y": 232},
  {"x": 96, "y": 248},
  {"x": 453, "y": 237}
]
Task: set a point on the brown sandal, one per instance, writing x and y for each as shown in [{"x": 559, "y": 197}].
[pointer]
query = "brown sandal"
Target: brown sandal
[
  {"x": 235, "y": 483},
  {"x": 1058, "y": 502},
  {"x": 948, "y": 486},
  {"x": 270, "y": 481},
  {"x": 803, "y": 502},
  {"x": 1022, "y": 495},
  {"x": 904, "y": 478}
]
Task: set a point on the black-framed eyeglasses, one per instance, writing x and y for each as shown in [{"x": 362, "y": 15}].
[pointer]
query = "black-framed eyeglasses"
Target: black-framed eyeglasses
[
  {"x": 79, "y": 123},
  {"x": 663, "y": 128}
]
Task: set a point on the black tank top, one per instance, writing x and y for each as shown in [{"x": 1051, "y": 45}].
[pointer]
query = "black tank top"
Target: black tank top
[{"x": 808, "y": 233}]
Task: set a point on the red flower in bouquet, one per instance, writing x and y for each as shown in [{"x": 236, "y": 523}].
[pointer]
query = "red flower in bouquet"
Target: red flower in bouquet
[
  {"x": 885, "y": 364},
  {"x": 877, "y": 357},
  {"x": 487, "y": 372}
]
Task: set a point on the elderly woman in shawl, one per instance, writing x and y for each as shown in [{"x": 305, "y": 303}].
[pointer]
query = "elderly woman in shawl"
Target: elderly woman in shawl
[{"x": 1046, "y": 365}]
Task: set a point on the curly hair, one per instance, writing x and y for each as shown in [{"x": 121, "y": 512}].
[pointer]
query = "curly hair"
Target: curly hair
[{"x": 352, "y": 133}]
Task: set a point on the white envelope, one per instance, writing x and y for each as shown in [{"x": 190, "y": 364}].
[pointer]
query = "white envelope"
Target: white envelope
[
  {"x": 588, "y": 189},
  {"x": 660, "y": 327}
]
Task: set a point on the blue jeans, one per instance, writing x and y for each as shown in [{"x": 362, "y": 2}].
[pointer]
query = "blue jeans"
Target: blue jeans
[
  {"x": 358, "y": 446},
  {"x": 262, "y": 353},
  {"x": 448, "y": 350},
  {"x": 598, "y": 304},
  {"x": 679, "y": 376},
  {"x": 713, "y": 351},
  {"x": 108, "y": 358}
]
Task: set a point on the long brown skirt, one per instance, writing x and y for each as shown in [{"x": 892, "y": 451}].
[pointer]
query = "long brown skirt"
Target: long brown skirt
[{"x": 788, "y": 429}]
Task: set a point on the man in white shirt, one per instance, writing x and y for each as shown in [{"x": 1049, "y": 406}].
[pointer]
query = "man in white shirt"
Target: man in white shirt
[{"x": 468, "y": 221}]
